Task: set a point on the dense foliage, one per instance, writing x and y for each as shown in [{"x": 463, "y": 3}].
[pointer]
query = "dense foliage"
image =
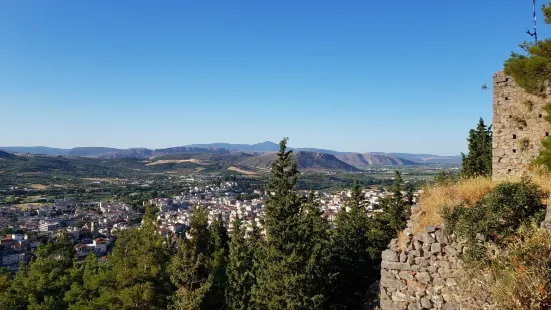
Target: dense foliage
[
  {"x": 479, "y": 160},
  {"x": 302, "y": 261},
  {"x": 497, "y": 216}
]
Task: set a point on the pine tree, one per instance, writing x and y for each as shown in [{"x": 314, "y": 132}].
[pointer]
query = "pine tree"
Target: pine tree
[
  {"x": 351, "y": 258},
  {"x": 282, "y": 281},
  {"x": 396, "y": 207},
  {"x": 479, "y": 160},
  {"x": 43, "y": 283},
  {"x": 86, "y": 284},
  {"x": 218, "y": 263},
  {"x": 189, "y": 268},
  {"x": 240, "y": 269},
  {"x": 136, "y": 275}
]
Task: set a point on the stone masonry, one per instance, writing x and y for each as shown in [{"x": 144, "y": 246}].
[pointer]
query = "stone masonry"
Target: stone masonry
[
  {"x": 519, "y": 125},
  {"x": 424, "y": 271}
]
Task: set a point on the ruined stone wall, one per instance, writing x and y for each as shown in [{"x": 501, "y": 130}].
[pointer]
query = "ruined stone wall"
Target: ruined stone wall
[
  {"x": 518, "y": 127},
  {"x": 423, "y": 271}
]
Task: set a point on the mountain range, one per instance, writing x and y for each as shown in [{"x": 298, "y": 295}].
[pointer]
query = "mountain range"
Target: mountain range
[{"x": 258, "y": 149}]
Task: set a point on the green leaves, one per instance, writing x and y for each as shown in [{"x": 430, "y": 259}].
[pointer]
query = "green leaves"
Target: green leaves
[{"x": 479, "y": 160}]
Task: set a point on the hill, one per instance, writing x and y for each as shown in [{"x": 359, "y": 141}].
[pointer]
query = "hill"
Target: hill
[
  {"x": 149, "y": 153},
  {"x": 304, "y": 160},
  {"x": 91, "y": 151},
  {"x": 428, "y": 159},
  {"x": 358, "y": 159},
  {"x": 266, "y": 146},
  {"x": 6, "y": 155},
  {"x": 35, "y": 150}
]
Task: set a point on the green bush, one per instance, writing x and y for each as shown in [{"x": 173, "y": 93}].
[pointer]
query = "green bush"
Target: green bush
[{"x": 497, "y": 216}]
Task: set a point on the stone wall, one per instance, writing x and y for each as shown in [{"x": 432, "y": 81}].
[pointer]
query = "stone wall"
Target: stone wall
[
  {"x": 518, "y": 127},
  {"x": 422, "y": 275}
]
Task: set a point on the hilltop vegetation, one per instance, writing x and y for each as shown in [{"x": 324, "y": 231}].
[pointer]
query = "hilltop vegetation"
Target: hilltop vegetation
[
  {"x": 367, "y": 159},
  {"x": 305, "y": 161}
]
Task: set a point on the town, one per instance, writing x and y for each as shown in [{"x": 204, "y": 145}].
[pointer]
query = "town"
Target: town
[{"x": 92, "y": 226}]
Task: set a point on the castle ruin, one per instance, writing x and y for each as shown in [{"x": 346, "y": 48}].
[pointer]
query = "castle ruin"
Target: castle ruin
[{"x": 519, "y": 125}]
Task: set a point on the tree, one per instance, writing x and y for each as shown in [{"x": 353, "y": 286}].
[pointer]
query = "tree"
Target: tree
[
  {"x": 42, "y": 283},
  {"x": 479, "y": 160},
  {"x": 396, "y": 209},
  {"x": 136, "y": 276},
  {"x": 240, "y": 269},
  {"x": 282, "y": 281},
  {"x": 218, "y": 262},
  {"x": 351, "y": 258},
  {"x": 189, "y": 268},
  {"x": 86, "y": 286}
]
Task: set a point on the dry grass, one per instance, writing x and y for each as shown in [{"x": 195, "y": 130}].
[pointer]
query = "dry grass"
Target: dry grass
[
  {"x": 38, "y": 186},
  {"x": 177, "y": 161},
  {"x": 237, "y": 169},
  {"x": 466, "y": 192}
]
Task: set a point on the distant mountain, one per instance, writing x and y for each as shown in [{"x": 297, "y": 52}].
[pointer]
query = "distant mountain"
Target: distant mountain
[
  {"x": 148, "y": 153},
  {"x": 304, "y": 160},
  {"x": 6, "y": 155},
  {"x": 34, "y": 150},
  {"x": 258, "y": 147},
  {"x": 427, "y": 159},
  {"x": 91, "y": 151},
  {"x": 358, "y": 159},
  {"x": 324, "y": 151}
]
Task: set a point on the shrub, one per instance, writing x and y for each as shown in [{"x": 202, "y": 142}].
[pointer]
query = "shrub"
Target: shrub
[
  {"x": 496, "y": 216},
  {"x": 520, "y": 277}
]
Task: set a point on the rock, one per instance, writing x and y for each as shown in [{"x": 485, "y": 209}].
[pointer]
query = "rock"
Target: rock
[
  {"x": 390, "y": 305},
  {"x": 451, "y": 282},
  {"x": 403, "y": 257},
  {"x": 423, "y": 277},
  {"x": 389, "y": 256},
  {"x": 425, "y": 303},
  {"x": 426, "y": 238},
  {"x": 406, "y": 275},
  {"x": 422, "y": 262},
  {"x": 436, "y": 248},
  {"x": 411, "y": 259},
  {"x": 430, "y": 229},
  {"x": 444, "y": 264},
  {"x": 414, "y": 306},
  {"x": 432, "y": 269},
  {"x": 437, "y": 300},
  {"x": 392, "y": 284},
  {"x": 399, "y": 296},
  {"x": 393, "y": 243},
  {"x": 450, "y": 305},
  {"x": 450, "y": 250},
  {"x": 441, "y": 237},
  {"x": 480, "y": 237},
  {"x": 417, "y": 245}
]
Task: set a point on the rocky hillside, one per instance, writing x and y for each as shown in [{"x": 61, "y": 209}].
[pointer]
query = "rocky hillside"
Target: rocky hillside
[
  {"x": 358, "y": 159},
  {"x": 148, "y": 153},
  {"x": 304, "y": 160},
  {"x": 5, "y": 155},
  {"x": 91, "y": 151}
]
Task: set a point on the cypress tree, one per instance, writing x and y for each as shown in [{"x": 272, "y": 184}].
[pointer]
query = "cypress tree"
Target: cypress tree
[
  {"x": 479, "y": 160},
  {"x": 240, "y": 269},
  {"x": 396, "y": 207},
  {"x": 189, "y": 268},
  {"x": 136, "y": 275},
  {"x": 218, "y": 262},
  {"x": 351, "y": 258},
  {"x": 282, "y": 281}
]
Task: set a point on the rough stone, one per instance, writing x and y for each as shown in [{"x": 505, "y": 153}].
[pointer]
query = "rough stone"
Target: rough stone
[
  {"x": 399, "y": 296},
  {"x": 441, "y": 237},
  {"x": 423, "y": 277},
  {"x": 389, "y": 256},
  {"x": 414, "y": 306},
  {"x": 406, "y": 275},
  {"x": 403, "y": 257},
  {"x": 425, "y": 303},
  {"x": 430, "y": 229},
  {"x": 422, "y": 262},
  {"x": 436, "y": 248}
]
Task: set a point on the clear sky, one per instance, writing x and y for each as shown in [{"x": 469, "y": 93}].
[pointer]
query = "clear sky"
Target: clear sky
[{"x": 392, "y": 76}]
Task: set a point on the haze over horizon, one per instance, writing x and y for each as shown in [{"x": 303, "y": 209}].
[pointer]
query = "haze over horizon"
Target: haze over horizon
[{"x": 362, "y": 76}]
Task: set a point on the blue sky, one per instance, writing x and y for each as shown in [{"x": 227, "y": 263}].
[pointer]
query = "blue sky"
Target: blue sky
[{"x": 394, "y": 76}]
